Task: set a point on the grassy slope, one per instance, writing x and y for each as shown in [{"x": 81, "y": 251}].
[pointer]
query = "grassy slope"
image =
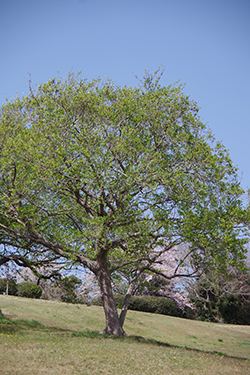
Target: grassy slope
[{"x": 62, "y": 353}]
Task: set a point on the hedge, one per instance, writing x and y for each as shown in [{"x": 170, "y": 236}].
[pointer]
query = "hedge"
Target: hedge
[{"x": 157, "y": 305}]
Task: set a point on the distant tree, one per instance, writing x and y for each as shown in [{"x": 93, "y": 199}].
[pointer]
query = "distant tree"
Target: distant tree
[
  {"x": 220, "y": 297},
  {"x": 89, "y": 288},
  {"x": 10, "y": 284},
  {"x": 69, "y": 285},
  {"x": 113, "y": 178},
  {"x": 7, "y": 275}
]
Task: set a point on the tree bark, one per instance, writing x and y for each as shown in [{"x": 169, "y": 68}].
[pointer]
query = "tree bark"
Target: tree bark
[
  {"x": 7, "y": 280},
  {"x": 113, "y": 326},
  {"x": 7, "y": 287},
  {"x": 126, "y": 304},
  {"x": 128, "y": 296}
]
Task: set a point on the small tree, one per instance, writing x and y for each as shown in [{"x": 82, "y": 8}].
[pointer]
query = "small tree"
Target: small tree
[
  {"x": 12, "y": 287},
  {"x": 112, "y": 178},
  {"x": 69, "y": 285}
]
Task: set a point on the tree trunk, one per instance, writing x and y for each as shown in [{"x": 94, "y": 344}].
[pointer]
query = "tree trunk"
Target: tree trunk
[
  {"x": 7, "y": 280},
  {"x": 7, "y": 287},
  {"x": 125, "y": 305},
  {"x": 113, "y": 326},
  {"x": 128, "y": 296}
]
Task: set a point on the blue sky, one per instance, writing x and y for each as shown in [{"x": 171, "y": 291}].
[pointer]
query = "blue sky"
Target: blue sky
[{"x": 205, "y": 44}]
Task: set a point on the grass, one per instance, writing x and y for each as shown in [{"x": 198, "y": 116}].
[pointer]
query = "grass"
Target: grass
[{"x": 45, "y": 337}]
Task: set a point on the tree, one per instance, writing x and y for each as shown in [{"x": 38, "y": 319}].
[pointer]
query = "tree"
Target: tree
[
  {"x": 69, "y": 285},
  {"x": 9, "y": 284},
  {"x": 219, "y": 297},
  {"x": 113, "y": 178}
]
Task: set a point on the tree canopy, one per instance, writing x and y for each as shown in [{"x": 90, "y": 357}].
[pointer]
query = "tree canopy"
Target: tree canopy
[{"x": 112, "y": 178}]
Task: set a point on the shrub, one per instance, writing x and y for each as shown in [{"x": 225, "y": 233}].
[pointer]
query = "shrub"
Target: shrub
[
  {"x": 189, "y": 313},
  {"x": 119, "y": 300},
  {"x": 235, "y": 309},
  {"x": 220, "y": 298},
  {"x": 157, "y": 305},
  {"x": 29, "y": 290},
  {"x": 12, "y": 286},
  {"x": 96, "y": 301}
]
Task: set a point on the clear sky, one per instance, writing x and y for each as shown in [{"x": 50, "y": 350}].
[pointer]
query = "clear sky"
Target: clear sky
[{"x": 204, "y": 43}]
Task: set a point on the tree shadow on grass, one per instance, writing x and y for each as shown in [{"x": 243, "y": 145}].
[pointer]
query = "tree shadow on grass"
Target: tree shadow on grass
[
  {"x": 143, "y": 340},
  {"x": 10, "y": 326},
  {"x": 96, "y": 334}
]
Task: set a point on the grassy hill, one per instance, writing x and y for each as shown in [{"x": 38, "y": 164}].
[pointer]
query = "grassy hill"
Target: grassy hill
[{"x": 64, "y": 339}]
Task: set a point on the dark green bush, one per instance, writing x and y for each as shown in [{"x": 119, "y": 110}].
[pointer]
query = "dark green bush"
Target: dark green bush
[
  {"x": 157, "y": 305},
  {"x": 29, "y": 290},
  {"x": 228, "y": 309},
  {"x": 213, "y": 305},
  {"x": 96, "y": 301},
  {"x": 189, "y": 313},
  {"x": 235, "y": 310},
  {"x": 119, "y": 300},
  {"x": 12, "y": 287}
]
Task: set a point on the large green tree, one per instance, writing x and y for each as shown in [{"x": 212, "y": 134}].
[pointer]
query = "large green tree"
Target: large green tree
[{"x": 113, "y": 178}]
